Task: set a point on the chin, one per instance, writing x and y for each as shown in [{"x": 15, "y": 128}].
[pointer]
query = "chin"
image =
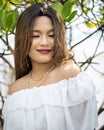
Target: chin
[
  {"x": 46, "y": 61},
  {"x": 42, "y": 60}
]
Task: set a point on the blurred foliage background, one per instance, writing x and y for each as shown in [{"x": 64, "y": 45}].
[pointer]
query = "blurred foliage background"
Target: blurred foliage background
[{"x": 91, "y": 13}]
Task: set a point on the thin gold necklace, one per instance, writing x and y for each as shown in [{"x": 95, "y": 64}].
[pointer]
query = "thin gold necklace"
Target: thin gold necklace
[{"x": 39, "y": 82}]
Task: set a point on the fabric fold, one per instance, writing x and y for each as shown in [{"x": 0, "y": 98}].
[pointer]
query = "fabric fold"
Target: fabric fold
[{"x": 65, "y": 93}]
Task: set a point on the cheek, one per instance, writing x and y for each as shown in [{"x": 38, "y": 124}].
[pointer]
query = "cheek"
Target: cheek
[
  {"x": 35, "y": 40},
  {"x": 31, "y": 51},
  {"x": 33, "y": 45},
  {"x": 52, "y": 42}
]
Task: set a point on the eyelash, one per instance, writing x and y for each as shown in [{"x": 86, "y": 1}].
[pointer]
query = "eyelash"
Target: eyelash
[
  {"x": 51, "y": 35},
  {"x": 36, "y": 36}
]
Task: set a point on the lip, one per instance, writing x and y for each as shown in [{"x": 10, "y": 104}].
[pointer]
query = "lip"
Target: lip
[{"x": 44, "y": 51}]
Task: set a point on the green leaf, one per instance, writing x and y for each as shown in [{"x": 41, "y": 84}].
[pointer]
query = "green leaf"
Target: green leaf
[
  {"x": 4, "y": 15},
  {"x": 15, "y": 16},
  {"x": 72, "y": 15},
  {"x": 8, "y": 6},
  {"x": 67, "y": 9},
  {"x": 2, "y": 3},
  {"x": 0, "y": 17},
  {"x": 8, "y": 21},
  {"x": 39, "y": 1},
  {"x": 17, "y": 1},
  {"x": 91, "y": 25},
  {"x": 0, "y": 20},
  {"x": 58, "y": 7},
  {"x": 86, "y": 10}
]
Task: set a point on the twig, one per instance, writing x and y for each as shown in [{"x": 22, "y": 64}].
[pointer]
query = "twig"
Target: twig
[
  {"x": 7, "y": 62},
  {"x": 101, "y": 109},
  {"x": 100, "y": 28}
]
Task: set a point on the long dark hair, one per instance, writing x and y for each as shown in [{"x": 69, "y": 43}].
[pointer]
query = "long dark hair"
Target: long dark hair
[{"x": 23, "y": 38}]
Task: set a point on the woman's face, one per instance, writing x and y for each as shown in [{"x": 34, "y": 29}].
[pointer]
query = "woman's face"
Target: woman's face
[{"x": 41, "y": 50}]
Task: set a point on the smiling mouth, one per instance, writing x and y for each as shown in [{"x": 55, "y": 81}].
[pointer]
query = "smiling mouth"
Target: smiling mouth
[{"x": 44, "y": 51}]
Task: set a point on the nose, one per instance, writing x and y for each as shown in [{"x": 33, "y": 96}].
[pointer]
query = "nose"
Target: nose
[{"x": 44, "y": 41}]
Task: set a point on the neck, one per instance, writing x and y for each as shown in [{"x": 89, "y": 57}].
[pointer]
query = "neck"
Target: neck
[{"x": 40, "y": 69}]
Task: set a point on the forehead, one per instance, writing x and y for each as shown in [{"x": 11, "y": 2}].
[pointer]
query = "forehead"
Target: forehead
[{"x": 42, "y": 22}]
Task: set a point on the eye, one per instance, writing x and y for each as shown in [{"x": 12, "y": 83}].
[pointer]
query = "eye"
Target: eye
[
  {"x": 35, "y": 36},
  {"x": 51, "y": 35}
]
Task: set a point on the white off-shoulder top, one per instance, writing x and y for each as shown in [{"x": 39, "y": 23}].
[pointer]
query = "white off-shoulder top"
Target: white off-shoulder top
[{"x": 69, "y": 104}]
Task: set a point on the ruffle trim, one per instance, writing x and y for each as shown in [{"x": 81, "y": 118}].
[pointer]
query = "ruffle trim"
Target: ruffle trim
[{"x": 65, "y": 93}]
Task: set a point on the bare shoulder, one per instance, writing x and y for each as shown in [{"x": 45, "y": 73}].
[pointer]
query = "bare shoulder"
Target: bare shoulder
[
  {"x": 70, "y": 69},
  {"x": 17, "y": 85}
]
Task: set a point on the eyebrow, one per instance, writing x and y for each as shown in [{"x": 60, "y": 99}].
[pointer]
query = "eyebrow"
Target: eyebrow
[{"x": 51, "y": 30}]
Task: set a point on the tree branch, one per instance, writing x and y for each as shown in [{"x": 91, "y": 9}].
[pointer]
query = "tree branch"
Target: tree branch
[
  {"x": 100, "y": 28},
  {"x": 7, "y": 44},
  {"x": 7, "y": 62}
]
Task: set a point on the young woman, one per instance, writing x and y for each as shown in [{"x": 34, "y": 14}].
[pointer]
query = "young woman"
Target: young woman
[{"x": 50, "y": 91}]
